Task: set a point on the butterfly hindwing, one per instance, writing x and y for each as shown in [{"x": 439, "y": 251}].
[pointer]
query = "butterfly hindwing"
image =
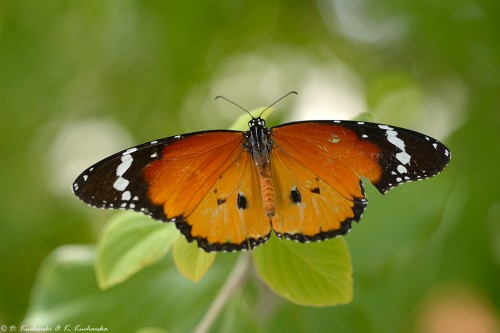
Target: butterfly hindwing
[
  {"x": 230, "y": 216},
  {"x": 308, "y": 208}
]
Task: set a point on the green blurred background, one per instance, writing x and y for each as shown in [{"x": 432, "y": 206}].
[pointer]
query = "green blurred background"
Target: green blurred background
[{"x": 80, "y": 80}]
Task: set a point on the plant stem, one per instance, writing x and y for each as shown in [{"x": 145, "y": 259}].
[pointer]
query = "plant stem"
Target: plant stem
[{"x": 234, "y": 281}]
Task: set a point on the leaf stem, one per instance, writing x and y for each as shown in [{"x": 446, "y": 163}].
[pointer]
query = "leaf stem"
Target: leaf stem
[{"x": 234, "y": 281}]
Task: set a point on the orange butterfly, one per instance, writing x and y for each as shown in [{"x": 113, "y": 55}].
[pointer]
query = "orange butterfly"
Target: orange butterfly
[{"x": 229, "y": 189}]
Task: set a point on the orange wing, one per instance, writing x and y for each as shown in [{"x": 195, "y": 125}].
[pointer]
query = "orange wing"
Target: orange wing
[
  {"x": 316, "y": 170},
  {"x": 230, "y": 216},
  {"x": 317, "y": 166},
  {"x": 207, "y": 184}
]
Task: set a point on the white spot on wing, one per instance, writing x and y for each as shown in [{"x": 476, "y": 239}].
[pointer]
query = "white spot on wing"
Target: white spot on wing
[
  {"x": 403, "y": 157},
  {"x": 402, "y": 169},
  {"x": 126, "y": 196},
  {"x": 124, "y": 165},
  {"x": 120, "y": 184},
  {"x": 129, "y": 151},
  {"x": 392, "y": 137},
  {"x": 385, "y": 127}
]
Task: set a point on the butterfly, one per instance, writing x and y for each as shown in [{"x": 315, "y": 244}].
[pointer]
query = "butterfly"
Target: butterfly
[{"x": 229, "y": 190}]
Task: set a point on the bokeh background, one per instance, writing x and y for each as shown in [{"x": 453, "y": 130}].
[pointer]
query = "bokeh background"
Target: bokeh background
[{"x": 80, "y": 80}]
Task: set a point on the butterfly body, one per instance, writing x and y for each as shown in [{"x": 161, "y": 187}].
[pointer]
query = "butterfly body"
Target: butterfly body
[
  {"x": 258, "y": 141},
  {"x": 228, "y": 190}
]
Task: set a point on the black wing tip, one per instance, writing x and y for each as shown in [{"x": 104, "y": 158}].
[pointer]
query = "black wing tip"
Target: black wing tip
[
  {"x": 393, "y": 177},
  {"x": 389, "y": 182}
]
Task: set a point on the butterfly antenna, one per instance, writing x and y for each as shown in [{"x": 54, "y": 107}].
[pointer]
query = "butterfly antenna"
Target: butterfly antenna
[
  {"x": 279, "y": 99},
  {"x": 230, "y": 101}
]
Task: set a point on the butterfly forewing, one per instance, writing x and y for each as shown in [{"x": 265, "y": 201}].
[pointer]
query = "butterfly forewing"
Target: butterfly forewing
[
  {"x": 188, "y": 168},
  {"x": 160, "y": 178},
  {"x": 386, "y": 155}
]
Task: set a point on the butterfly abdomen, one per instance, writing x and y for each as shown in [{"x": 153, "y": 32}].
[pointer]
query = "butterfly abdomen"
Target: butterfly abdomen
[{"x": 267, "y": 189}]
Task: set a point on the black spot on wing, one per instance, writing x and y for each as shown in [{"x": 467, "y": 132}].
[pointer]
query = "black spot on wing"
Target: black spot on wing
[
  {"x": 316, "y": 190},
  {"x": 241, "y": 201},
  {"x": 295, "y": 196}
]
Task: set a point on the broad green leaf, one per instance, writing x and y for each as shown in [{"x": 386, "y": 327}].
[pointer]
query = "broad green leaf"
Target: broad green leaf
[
  {"x": 190, "y": 260},
  {"x": 130, "y": 243},
  {"x": 317, "y": 274},
  {"x": 65, "y": 292}
]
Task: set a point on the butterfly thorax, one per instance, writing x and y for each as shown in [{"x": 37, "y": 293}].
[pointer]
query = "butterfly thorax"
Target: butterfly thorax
[{"x": 258, "y": 142}]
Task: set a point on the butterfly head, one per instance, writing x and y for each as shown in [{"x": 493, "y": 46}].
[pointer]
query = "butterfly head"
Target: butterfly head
[{"x": 257, "y": 123}]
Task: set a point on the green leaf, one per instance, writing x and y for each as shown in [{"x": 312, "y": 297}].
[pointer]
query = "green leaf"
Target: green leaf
[
  {"x": 130, "y": 243},
  {"x": 190, "y": 260},
  {"x": 316, "y": 274},
  {"x": 65, "y": 292}
]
